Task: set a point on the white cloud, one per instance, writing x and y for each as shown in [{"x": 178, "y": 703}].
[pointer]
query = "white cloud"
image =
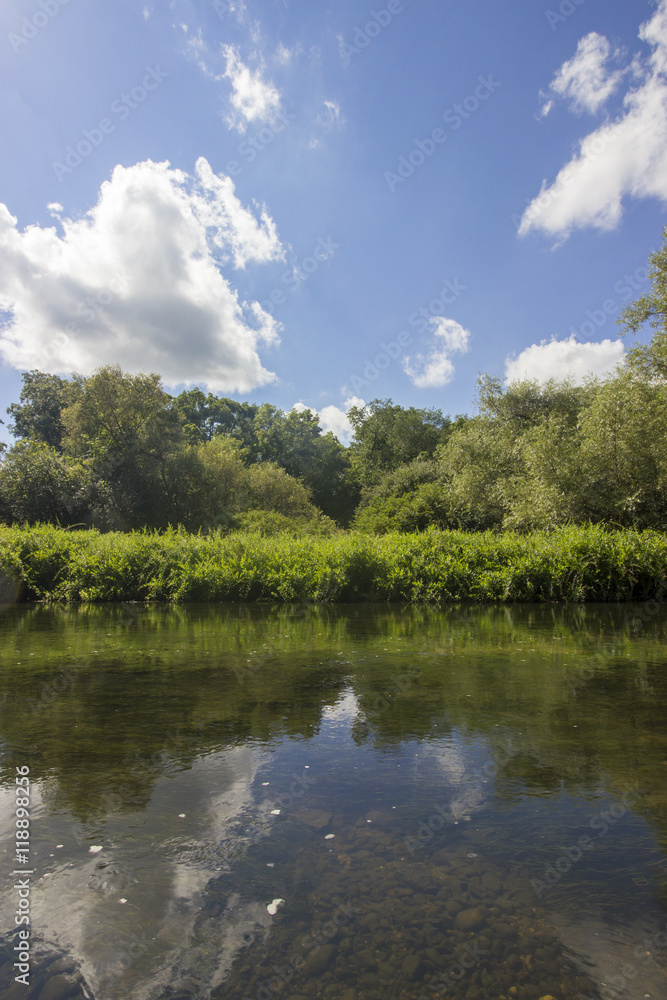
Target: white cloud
[
  {"x": 436, "y": 368},
  {"x": 545, "y": 109},
  {"x": 585, "y": 80},
  {"x": 565, "y": 359},
  {"x": 283, "y": 55},
  {"x": 137, "y": 282},
  {"x": 196, "y": 49},
  {"x": 331, "y": 117},
  {"x": 253, "y": 99},
  {"x": 624, "y": 157},
  {"x": 334, "y": 418}
]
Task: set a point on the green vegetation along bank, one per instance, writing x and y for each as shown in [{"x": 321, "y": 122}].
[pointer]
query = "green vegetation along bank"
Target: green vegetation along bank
[{"x": 569, "y": 564}]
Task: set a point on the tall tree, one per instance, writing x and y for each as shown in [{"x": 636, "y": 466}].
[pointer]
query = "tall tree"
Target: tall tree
[
  {"x": 37, "y": 483},
  {"x": 295, "y": 442},
  {"x": 387, "y": 436},
  {"x": 650, "y": 359},
  {"x": 38, "y": 416},
  {"x": 127, "y": 425},
  {"x": 206, "y": 416}
]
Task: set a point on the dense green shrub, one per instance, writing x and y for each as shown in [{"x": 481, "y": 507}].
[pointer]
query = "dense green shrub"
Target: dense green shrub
[{"x": 568, "y": 564}]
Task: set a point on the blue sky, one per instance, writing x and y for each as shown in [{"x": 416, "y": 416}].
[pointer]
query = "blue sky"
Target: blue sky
[{"x": 315, "y": 204}]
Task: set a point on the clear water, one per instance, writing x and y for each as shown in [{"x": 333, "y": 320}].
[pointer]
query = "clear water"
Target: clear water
[{"x": 354, "y": 803}]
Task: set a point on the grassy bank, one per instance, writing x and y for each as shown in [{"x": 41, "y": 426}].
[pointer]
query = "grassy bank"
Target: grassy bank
[{"x": 571, "y": 564}]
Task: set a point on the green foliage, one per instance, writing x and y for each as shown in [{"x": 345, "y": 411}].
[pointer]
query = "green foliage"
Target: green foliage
[
  {"x": 543, "y": 456},
  {"x": 268, "y": 487},
  {"x": 269, "y": 523},
  {"x": 295, "y": 442},
  {"x": 38, "y": 417},
  {"x": 570, "y": 564},
  {"x": 388, "y": 436},
  {"x": 116, "y": 414},
  {"x": 411, "y": 498},
  {"x": 652, "y": 307},
  {"x": 39, "y": 484},
  {"x": 206, "y": 416},
  {"x": 650, "y": 360},
  {"x": 264, "y": 433}
]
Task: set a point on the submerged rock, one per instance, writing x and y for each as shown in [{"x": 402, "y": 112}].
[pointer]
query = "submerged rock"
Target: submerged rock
[
  {"x": 411, "y": 966},
  {"x": 470, "y": 920},
  {"x": 319, "y": 959},
  {"x": 318, "y": 819}
]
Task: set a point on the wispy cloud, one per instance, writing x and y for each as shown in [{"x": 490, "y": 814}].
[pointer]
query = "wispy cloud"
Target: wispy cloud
[
  {"x": 283, "y": 55},
  {"x": 331, "y": 116},
  {"x": 565, "y": 359},
  {"x": 436, "y": 368},
  {"x": 197, "y": 51},
  {"x": 253, "y": 99},
  {"x": 625, "y": 157},
  {"x": 168, "y": 235}
]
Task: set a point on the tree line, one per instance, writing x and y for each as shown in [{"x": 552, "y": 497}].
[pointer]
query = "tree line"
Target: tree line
[{"x": 117, "y": 452}]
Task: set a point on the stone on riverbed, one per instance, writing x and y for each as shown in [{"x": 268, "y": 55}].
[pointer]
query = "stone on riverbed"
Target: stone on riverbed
[
  {"x": 411, "y": 966},
  {"x": 315, "y": 818},
  {"x": 319, "y": 959},
  {"x": 470, "y": 920}
]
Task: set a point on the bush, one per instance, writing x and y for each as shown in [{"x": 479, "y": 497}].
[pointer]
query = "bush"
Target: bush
[
  {"x": 39, "y": 484},
  {"x": 569, "y": 564}
]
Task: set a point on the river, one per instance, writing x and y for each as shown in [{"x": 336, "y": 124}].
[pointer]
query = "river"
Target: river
[{"x": 355, "y": 802}]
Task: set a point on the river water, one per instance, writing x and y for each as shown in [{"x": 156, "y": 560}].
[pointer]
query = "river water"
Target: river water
[{"x": 352, "y": 803}]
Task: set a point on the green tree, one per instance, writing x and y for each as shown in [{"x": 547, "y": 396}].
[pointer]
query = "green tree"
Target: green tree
[
  {"x": 207, "y": 416},
  {"x": 624, "y": 451},
  {"x": 37, "y": 483},
  {"x": 651, "y": 359},
  {"x": 38, "y": 416},
  {"x": 410, "y": 498},
  {"x": 387, "y": 436},
  {"x": 517, "y": 463},
  {"x": 127, "y": 426},
  {"x": 268, "y": 487},
  {"x": 295, "y": 442}
]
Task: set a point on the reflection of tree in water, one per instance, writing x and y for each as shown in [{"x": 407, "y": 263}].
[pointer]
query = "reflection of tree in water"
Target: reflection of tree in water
[{"x": 104, "y": 701}]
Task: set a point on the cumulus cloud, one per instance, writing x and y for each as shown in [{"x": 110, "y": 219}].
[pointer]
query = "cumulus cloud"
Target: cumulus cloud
[
  {"x": 565, "y": 359},
  {"x": 436, "y": 368},
  {"x": 137, "y": 282},
  {"x": 586, "y": 80},
  {"x": 335, "y": 418},
  {"x": 253, "y": 98},
  {"x": 624, "y": 157}
]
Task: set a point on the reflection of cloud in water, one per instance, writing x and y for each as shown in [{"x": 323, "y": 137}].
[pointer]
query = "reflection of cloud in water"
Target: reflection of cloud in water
[
  {"x": 160, "y": 862},
  {"x": 461, "y": 768},
  {"x": 343, "y": 712}
]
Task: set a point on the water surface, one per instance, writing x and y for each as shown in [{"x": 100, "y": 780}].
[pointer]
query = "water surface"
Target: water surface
[{"x": 355, "y": 803}]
